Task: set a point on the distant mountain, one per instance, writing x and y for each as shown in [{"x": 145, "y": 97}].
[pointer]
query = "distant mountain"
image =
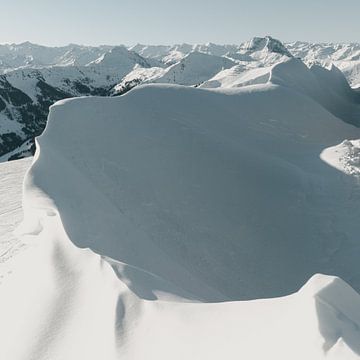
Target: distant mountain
[
  {"x": 34, "y": 76},
  {"x": 267, "y": 44},
  {"x": 174, "y": 53},
  {"x": 26, "y": 54},
  {"x": 26, "y": 93},
  {"x": 344, "y": 56},
  {"x": 194, "y": 69},
  {"x": 197, "y": 64}
]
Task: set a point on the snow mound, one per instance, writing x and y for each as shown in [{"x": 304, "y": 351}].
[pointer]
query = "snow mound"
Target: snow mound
[
  {"x": 236, "y": 171},
  {"x": 196, "y": 196}
]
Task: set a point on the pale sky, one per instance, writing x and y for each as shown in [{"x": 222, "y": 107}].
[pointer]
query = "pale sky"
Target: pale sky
[{"x": 94, "y": 22}]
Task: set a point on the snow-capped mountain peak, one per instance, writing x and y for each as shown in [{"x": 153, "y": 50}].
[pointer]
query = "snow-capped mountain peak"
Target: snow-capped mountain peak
[
  {"x": 267, "y": 43},
  {"x": 118, "y": 57}
]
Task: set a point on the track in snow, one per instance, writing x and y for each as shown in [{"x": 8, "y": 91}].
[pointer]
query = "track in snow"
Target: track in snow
[{"x": 11, "y": 178}]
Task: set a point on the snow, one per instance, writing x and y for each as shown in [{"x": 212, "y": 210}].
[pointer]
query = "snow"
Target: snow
[
  {"x": 231, "y": 143},
  {"x": 194, "y": 69},
  {"x": 11, "y": 177},
  {"x": 76, "y": 70},
  {"x": 265, "y": 51},
  {"x": 9, "y": 125},
  {"x": 237, "y": 76},
  {"x": 345, "y": 56},
  {"x": 344, "y": 157},
  {"x": 328, "y": 87},
  {"x": 180, "y": 222},
  {"x": 139, "y": 75},
  {"x": 208, "y": 65},
  {"x": 22, "y": 151},
  {"x": 104, "y": 72},
  {"x": 220, "y": 202},
  {"x": 13, "y": 56}
]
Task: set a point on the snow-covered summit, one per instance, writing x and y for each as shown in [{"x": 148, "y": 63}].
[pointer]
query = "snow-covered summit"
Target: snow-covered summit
[
  {"x": 267, "y": 43},
  {"x": 194, "y": 69},
  {"x": 119, "y": 57}
]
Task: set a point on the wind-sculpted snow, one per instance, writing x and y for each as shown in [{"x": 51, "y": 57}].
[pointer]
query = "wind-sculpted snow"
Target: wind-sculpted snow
[
  {"x": 197, "y": 180},
  {"x": 142, "y": 211}
]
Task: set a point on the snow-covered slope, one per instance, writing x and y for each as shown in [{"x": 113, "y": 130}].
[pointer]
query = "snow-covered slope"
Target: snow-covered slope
[
  {"x": 194, "y": 69},
  {"x": 11, "y": 178},
  {"x": 186, "y": 197},
  {"x": 26, "y": 94},
  {"x": 267, "y": 44},
  {"x": 255, "y": 49},
  {"x": 28, "y": 55},
  {"x": 179, "y": 163},
  {"x": 138, "y": 76},
  {"x": 326, "y": 86},
  {"x": 208, "y": 65},
  {"x": 120, "y": 59},
  {"x": 345, "y": 56},
  {"x": 174, "y": 53},
  {"x": 238, "y": 76},
  {"x": 267, "y": 51}
]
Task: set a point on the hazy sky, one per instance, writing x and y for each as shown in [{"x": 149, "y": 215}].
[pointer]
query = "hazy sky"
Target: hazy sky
[{"x": 128, "y": 22}]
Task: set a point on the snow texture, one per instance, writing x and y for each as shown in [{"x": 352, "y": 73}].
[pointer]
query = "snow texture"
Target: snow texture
[{"x": 156, "y": 223}]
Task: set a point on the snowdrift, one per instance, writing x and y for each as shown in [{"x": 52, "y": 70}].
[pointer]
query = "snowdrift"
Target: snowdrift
[
  {"x": 223, "y": 189},
  {"x": 142, "y": 212}
]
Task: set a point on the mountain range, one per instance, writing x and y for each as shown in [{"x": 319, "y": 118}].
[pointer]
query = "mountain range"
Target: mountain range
[{"x": 34, "y": 77}]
